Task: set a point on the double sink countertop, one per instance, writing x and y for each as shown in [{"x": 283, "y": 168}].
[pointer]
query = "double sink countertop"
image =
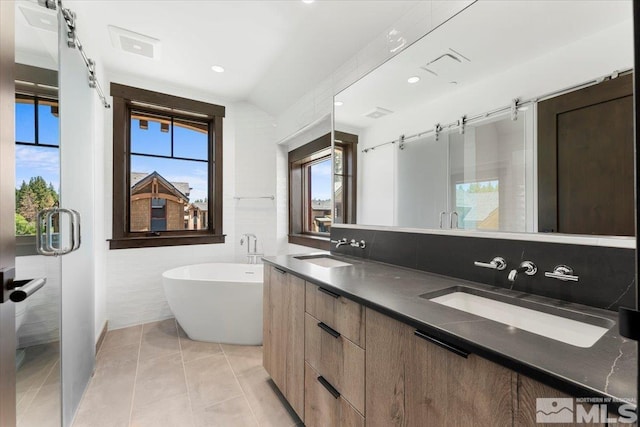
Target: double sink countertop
[{"x": 605, "y": 370}]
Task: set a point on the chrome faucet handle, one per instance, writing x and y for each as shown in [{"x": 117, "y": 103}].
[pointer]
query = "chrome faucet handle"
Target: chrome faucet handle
[
  {"x": 562, "y": 272},
  {"x": 498, "y": 263},
  {"x": 526, "y": 267},
  {"x": 361, "y": 244}
]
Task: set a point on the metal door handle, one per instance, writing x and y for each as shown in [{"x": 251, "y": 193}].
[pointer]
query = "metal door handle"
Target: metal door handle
[
  {"x": 23, "y": 289},
  {"x": 44, "y": 232}
]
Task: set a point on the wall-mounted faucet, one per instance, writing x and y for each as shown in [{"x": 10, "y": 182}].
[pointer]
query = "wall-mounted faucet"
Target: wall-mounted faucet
[
  {"x": 252, "y": 255},
  {"x": 353, "y": 242},
  {"x": 526, "y": 267},
  {"x": 340, "y": 242}
]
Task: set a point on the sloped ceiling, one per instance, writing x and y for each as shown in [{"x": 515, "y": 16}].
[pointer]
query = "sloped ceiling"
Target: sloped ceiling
[{"x": 273, "y": 51}]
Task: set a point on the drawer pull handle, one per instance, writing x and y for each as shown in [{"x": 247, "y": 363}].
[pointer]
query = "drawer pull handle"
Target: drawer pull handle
[
  {"x": 335, "y": 393},
  {"x": 451, "y": 348},
  {"x": 331, "y": 294},
  {"x": 279, "y": 270},
  {"x": 328, "y": 329}
]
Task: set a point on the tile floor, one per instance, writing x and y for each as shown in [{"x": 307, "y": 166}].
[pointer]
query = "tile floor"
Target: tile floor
[
  {"x": 38, "y": 387},
  {"x": 154, "y": 375}
]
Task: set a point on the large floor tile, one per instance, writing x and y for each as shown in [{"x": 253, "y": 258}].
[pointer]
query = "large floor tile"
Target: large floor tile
[
  {"x": 232, "y": 412},
  {"x": 268, "y": 405},
  {"x": 194, "y": 350},
  {"x": 159, "y": 378},
  {"x": 172, "y": 412},
  {"x": 211, "y": 381},
  {"x": 112, "y": 357},
  {"x": 108, "y": 399},
  {"x": 243, "y": 358},
  {"x": 44, "y": 411},
  {"x": 120, "y": 337},
  {"x": 36, "y": 366},
  {"x": 159, "y": 339}
]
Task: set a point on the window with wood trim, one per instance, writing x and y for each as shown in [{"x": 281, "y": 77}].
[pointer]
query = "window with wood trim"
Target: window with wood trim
[
  {"x": 37, "y": 151},
  {"x": 167, "y": 170},
  {"x": 311, "y": 212}
]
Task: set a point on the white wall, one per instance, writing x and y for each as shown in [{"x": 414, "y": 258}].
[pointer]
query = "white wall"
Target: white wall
[{"x": 100, "y": 246}]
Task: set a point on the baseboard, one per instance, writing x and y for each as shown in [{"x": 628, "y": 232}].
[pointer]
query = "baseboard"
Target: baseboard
[{"x": 102, "y": 336}]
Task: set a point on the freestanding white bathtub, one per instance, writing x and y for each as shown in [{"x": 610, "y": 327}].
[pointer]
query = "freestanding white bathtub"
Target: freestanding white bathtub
[{"x": 217, "y": 302}]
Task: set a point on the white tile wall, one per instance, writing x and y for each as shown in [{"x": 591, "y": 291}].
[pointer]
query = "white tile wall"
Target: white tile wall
[{"x": 254, "y": 177}]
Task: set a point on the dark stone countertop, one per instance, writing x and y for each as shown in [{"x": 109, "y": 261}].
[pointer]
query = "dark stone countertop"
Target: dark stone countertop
[{"x": 607, "y": 369}]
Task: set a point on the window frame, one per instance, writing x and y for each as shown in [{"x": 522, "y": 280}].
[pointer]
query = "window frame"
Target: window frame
[
  {"x": 299, "y": 160},
  {"x": 127, "y": 99},
  {"x": 41, "y": 83},
  {"x": 307, "y": 189}
]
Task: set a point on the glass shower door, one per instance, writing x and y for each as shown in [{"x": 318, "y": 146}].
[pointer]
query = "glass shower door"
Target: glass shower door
[
  {"x": 37, "y": 186},
  {"x": 421, "y": 187},
  {"x": 78, "y": 106}
]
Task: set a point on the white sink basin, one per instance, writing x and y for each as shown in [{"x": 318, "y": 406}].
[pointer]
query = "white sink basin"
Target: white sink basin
[
  {"x": 559, "y": 328},
  {"x": 323, "y": 261}
]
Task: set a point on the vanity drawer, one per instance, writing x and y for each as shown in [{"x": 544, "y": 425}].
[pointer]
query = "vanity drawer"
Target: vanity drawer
[
  {"x": 339, "y": 313},
  {"x": 337, "y": 359},
  {"x": 324, "y": 406}
]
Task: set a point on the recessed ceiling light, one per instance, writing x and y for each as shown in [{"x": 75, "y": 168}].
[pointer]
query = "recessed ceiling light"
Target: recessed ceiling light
[
  {"x": 338, "y": 103},
  {"x": 308, "y": 1},
  {"x": 218, "y": 69},
  {"x": 414, "y": 79},
  {"x": 137, "y": 47}
]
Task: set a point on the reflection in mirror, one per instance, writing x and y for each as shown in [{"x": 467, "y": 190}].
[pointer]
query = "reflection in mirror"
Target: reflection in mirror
[
  {"x": 38, "y": 390},
  {"x": 448, "y": 129}
]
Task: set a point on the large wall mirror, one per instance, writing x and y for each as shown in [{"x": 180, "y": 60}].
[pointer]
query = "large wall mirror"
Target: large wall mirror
[{"x": 511, "y": 116}]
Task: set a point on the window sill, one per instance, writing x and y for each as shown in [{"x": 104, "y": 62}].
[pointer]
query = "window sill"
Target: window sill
[
  {"x": 317, "y": 242},
  {"x": 26, "y": 246},
  {"x": 152, "y": 242}
]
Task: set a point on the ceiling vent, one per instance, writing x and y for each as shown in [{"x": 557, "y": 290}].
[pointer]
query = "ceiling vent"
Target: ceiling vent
[
  {"x": 378, "y": 112},
  {"x": 40, "y": 17},
  {"x": 135, "y": 43},
  {"x": 448, "y": 61}
]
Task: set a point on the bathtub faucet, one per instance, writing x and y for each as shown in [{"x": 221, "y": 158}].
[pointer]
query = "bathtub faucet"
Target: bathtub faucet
[{"x": 252, "y": 255}]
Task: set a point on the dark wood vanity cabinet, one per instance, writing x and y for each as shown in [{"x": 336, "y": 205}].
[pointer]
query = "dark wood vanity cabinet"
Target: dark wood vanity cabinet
[{"x": 413, "y": 382}]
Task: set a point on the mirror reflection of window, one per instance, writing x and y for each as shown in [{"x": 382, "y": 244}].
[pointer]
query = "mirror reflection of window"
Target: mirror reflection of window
[
  {"x": 478, "y": 205},
  {"x": 318, "y": 205},
  {"x": 489, "y": 185},
  {"x": 37, "y": 159}
]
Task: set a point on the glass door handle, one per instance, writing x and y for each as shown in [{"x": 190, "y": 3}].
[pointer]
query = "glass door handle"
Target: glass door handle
[{"x": 45, "y": 228}]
